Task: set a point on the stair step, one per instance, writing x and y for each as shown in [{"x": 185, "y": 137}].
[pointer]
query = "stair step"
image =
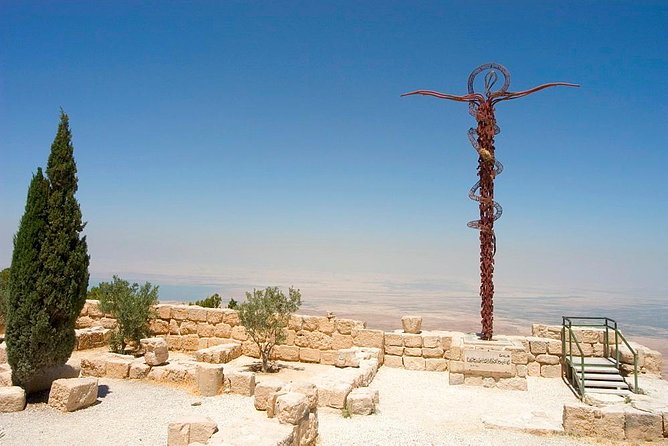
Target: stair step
[
  {"x": 608, "y": 384},
  {"x": 622, "y": 392},
  {"x": 598, "y": 362},
  {"x": 596, "y": 369},
  {"x": 602, "y": 376}
]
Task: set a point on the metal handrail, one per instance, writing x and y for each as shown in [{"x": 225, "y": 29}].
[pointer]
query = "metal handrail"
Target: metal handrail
[
  {"x": 608, "y": 324},
  {"x": 571, "y": 338}
]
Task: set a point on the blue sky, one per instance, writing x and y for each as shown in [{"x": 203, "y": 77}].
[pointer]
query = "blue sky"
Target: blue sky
[{"x": 228, "y": 145}]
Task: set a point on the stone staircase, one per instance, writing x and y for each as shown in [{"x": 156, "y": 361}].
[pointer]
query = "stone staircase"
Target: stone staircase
[{"x": 601, "y": 375}]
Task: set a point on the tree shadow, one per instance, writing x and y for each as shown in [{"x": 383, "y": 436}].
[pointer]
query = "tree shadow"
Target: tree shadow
[
  {"x": 103, "y": 390},
  {"x": 274, "y": 367}
]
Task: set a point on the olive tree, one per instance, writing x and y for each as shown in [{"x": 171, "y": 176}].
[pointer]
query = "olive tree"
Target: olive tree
[{"x": 265, "y": 315}]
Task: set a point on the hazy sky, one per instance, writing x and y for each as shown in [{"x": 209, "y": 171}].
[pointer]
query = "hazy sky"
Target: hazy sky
[{"x": 252, "y": 143}]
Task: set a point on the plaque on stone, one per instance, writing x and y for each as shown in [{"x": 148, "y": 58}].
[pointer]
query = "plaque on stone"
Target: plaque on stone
[{"x": 483, "y": 360}]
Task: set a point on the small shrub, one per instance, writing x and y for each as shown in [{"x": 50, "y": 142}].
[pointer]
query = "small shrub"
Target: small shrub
[
  {"x": 132, "y": 308},
  {"x": 264, "y": 315},
  {"x": 212, "y": 301},
  {"x": 233, "y": 304}
]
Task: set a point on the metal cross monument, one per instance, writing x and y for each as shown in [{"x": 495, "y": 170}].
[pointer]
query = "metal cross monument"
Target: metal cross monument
[{"x": 481, "y": 107}]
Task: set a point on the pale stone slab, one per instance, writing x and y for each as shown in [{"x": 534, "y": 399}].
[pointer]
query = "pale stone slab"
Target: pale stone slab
[
  {"x": 435, "y": 364},
  {"x": 3, "y": 353},
  {"x": 190, "y": 430},
  {"x": 643, "y": 426},
  {"x": 485, "y": 360},
  {"x": 72, "y": 394},
  {"x": 394, "y": 361},
  {"x": 210, "y": 379},
  {"x": 240, "y": 382},
  {"x": 333, "y": 393},
  {"x": 263, "y": 390},
  {"x": 43, "y": 379},
  {"x": 414, "y": 363},
  {"x": 291, "y": 408},
  {"x": 155, "y": 351},
  {"x": 361, "y": 401},
  {"x": 12, "y": 399},
  {"x": 411, "y": 324}
]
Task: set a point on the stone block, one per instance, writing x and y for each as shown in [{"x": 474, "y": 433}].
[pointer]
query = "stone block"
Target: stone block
[
  {"x": 414, "y": 363},
  {"x": 286, "y": 352},
  {"x": 643, "y": 426},
  {"x": 138, "y": 369},
  {"x": 308, "y": 430},
  {"x": 578, "y": 419},
  {"x": 473, "y": 380},
  {"x": 190, "y": 342},
  {"x": 197, "y": 313},
  {"x": 156, "y": 351},
  {"x": 309, "y": 390},
  {"x": 455, "y": 379},
  {"x": 70, "y": 394},
  {"x": 326, "y": 325},
  {"x": 522, "y": 370},
  {"x": 188, "y": 327},
  {"x": 329, "y": 357},
  {"x": 411, "y": 324},
  {"x": 174, "y": 342},
  {"x": 538, "y": 346},
  {"x": 340, "y": 341},
  {"x": 179, "y": 312},
  {"x": 108, "y": 322},
  {"x": 431, "y": 341},
  {"x": 368, "y": 338},
  {"x": 118, "y": 366},
  {"x": 310, "y": 323},
  {"x": 318, "y": 340},
  {"x": 550, "y": 371},
  {"x": 435, "y": 364},
  {"x": 296, "y": 322},
  {"x": 222, "y": 330},
  {"x": 163, "y": 311},
  {"x": 360, "y": 401},
  {"x": 231, "y": 317},
  {"x": 5, "y": 376},
  {"x": 453, "y": 353},
  {"x": 347, "y": 358},
  {"x": 3, "y": 352},
  {"x": 174, "y": 327},
  {"x": 436, "y": 352},
  {"x": 12, "y": 399},
  {"x": 309, "y": 355},
  {"x": 158, "y": 326},
  {"x": 205, "y": 330},
  {"x": 92, "y": 308},
  {"x": 263, "y": 390},
  {"x": 547, "y": 359},
  {"x": 519, "y": 357},
  {"x": 333, "y": 393},
  {"x": 394, "y": 350},
  {"x": 446, "y": 342},
  {"x": 214, "y": 315},
  {"x": 412, "y": 340},
  {"x": 412, "y": 351},
  {"x": 609, "y": 423},
  {"x": 93, "y": 367},
  {"x": 83, "y": 322},
  {"x": 291, "y": 408},
  {"x": 42, "y": 380},
  {"x": 240, "y": 382},
  {"x": 187, "y": 431},
  {"x": 394, "y": 339},
  {"x": 239, "y": 333},
  {"x": 250, "y": 348},
  {"x": 394, "y": 361},
  {"x": 554, "y": 347},
  {"x": 210, "y": 379}
]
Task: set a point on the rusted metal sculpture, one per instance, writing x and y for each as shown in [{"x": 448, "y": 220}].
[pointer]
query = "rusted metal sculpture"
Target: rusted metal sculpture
[{"x": 481, "y": 106}]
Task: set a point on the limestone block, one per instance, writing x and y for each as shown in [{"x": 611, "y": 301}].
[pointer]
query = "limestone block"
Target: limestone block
[
  {"x": 222, "y": 330},
  {"x": 155, "y": 351},
  {"x": 179, "y": 312},
  {"x": 414, "y": 363},
  {"x": 271, "y": 403},
  {"x": 333, "y": 393},
  {"x": 188, "y": 327},
  {"x": 219, "y": 354},
  {"x": 93, "y": 308},
  {"x": 205, "y": 330},
  {"x": 239, "y": 333},
  {"x": 158, "y": 326},
  {"x": 412, "y": 340},
  {"x": 308, "y": 430},
  {"x": 309, "y": 390},
  {"x": 197, "y": 313},
  {"x": 291, "y": 408},
  {"x": 138, "y": 369},
  {"x": 340, "y": 341},
  {"x": 589, "y": 336},
  {"x": 286, "y": 352},
  {"x": 455, "y": 379},
  {"x": 329, "y": 357},
  {"x": 263, "y": 390},
  {"x": 347, "y": 358},
  {"x": 93, "y": 367},
  {"x": 360, "y": 401},
  {"x": 599, "y": 350},
  {"x": 547, "y": 359},
  {"x": 519, "y": 357},
  {"x": 108, "y": 322},
  {"x": 368, "y": 338},
  {"x": 446, "y": 342},
  {"x": 118, "y": 366},
  {"x": 538, "y": 346},
  {"x": 301, "y": 339},
  {"x": 411, "y": 324},
  {"x": 394, "y": 339},
  {"x": 653, "y": 362},
  {"x": 434, "y": 364},
  {"x": 203, "y": 343},
  {"x": 70, "y": 394},
  {"x": 609, "y": 423},
  {"x": 163, "y": 311},
  {"x": 514, "y": 383},
  {"x": 394, "y": 350},
  {"x": 5, "y": 376},
  {"x": 318, "y": 340},
  {"x": 43, "y": 379},
  {"x": 83, "y": 322},
  {"x": 310, "y": 323},
  {"x": 456, "y": 366},
  {"x": 174, "y": 327},
  {"x": 431, "y": 341},
  {"x": 3, "y": 353},
  {"x": 12, "y": 399},
  {"x": 394, "y": 361},
  {"x": 473, "y": 380},
  {"x": 412, "y": 351},
  {"x": 453, "y": 353},
  {"x": 522, "y": 370},
  {"x": 643, "y": 426},
  {"x": 290, "y": 336},
  {"x": 436, "y": 352},
  {"x": 578, "y": 419},
  {"x": 295, "y": 322},
  {"x": 250, "y": 348},
  {"x": 240, "y": 382},
  {"x": 187, "y": 431},
  {"x": 174, "y": 342},
  {"x": 554, "y": 347},
  {"x": 550, "y": 371},
  {"x": 190, "y": 342},
  {"x": 210, "y": 379},
  {"x": 214, "y": 315},
  {"x": 539, "y": 330},
  {"x": 487, "y": 381},
  {"x": 533, "y": 369},
  {"x": 326, "y": 325},
  {"x": 309, "y": 355}
]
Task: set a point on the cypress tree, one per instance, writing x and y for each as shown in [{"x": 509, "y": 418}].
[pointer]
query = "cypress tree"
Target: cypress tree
[
  {"x": 48, "y": 296},
  {"x": 27, "y": 322}
]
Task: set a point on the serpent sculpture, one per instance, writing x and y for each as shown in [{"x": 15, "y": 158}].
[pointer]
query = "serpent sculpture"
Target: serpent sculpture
[{"x": 481, "y": 107}]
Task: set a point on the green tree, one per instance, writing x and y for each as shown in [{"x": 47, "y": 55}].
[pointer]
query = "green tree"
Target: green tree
[
  {"x": 265, "y": 315},
  {"x": 4, "y": 296},
  {"x": 132, "y": 308},
  {"x": 212, "y": 301},
  {"x": 29, "y": 328},
  {"x": 233, "y": 304}
]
